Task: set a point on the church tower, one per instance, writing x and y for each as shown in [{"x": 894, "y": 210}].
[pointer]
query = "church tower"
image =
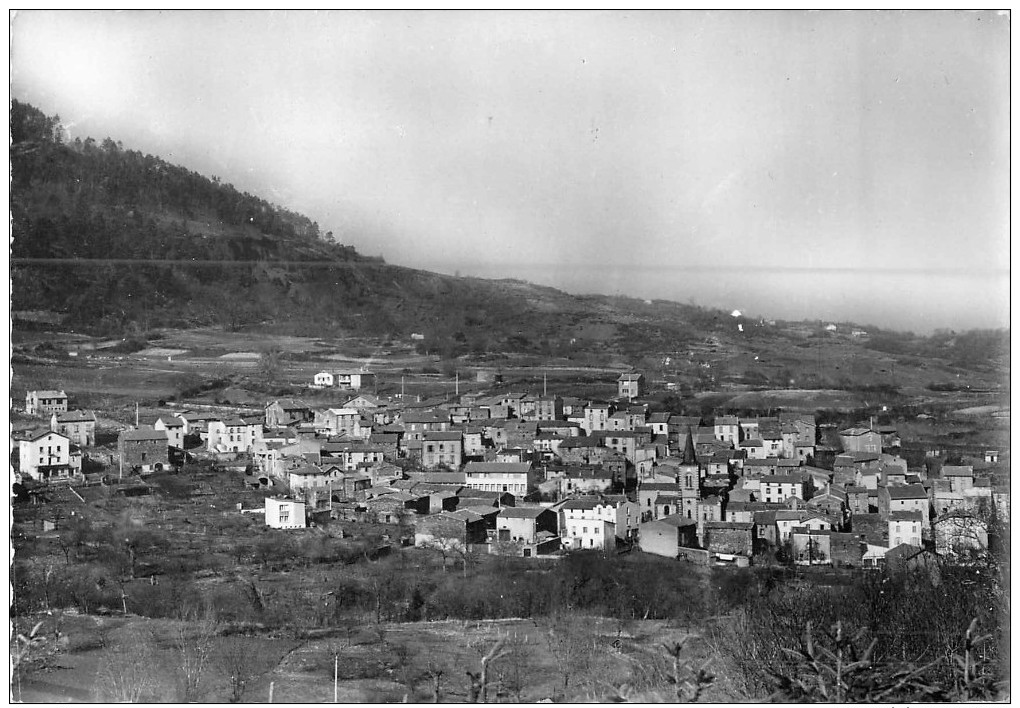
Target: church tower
[{"x": 689, "y": 479}]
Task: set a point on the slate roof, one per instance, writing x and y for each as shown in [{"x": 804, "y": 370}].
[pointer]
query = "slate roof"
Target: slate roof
[
  {"x": 675, "y": 520},
  {"x": 76, "y": 417},
  {"x": 523, "y": 512},
  {"x": 144, "y": 434},
  {"x": 497, "y": 467},
  {"x": 908, "y": 491},
  {"x": 438, "y": 436}
]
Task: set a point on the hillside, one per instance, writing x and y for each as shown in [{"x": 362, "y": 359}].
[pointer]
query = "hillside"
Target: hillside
[{"x": 108, "y": 240}]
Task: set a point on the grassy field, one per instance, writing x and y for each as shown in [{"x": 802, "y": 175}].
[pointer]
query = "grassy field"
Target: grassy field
[{"x": 388, "y": 662}]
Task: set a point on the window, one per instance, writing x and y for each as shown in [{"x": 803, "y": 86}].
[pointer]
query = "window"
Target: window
[{"x": 284, "y": 516}]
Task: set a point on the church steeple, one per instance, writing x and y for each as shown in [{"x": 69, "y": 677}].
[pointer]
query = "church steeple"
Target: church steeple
[{"x": 689, "y": 456}]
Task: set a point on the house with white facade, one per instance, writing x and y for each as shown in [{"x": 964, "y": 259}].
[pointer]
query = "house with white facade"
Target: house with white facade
[
  {"x": 596, "y": 417},
  {"x": 232, "y": 435},
  {"x": 905, "y": 527},
  {"x": 285, "y": 513},
  {"x": 776, "y": 488},
  {"x": 323, "y": 379},
  {"x": 47, "y": 457},
  {"x": 175, "y": 430},
  {"x": 356, "y": 380},
  {"x": 597, "y": 521},
  {"x": 518, "y": 478}
]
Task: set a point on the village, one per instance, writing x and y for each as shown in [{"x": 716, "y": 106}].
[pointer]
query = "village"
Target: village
[{"x": 540, "y": 476}]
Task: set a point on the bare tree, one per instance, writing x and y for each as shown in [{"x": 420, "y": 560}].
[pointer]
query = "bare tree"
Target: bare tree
[
  {"x": 479, "y": 690},
  {"x": 574, "y": 649},
  {"x": 127, "y": 674},
  {"x": 435, "y": 672},
  {"x": 446, "y": 547},
  {"x": 193, "y": 643},
  {"x": 234, "y": 660},
  {"x": 270, "y": 364},
  {"x": 514, "y": 671}
]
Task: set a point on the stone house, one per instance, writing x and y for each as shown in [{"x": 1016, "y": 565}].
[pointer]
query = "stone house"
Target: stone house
[
  {"x": 861, "y": 440},
  {"x": 524, "y": 524},
  {"x": 45, "y": 402},
  {"x": 442, "y": 448},
  {"x": 847, "y": 549},
  {"x": 144, "y": 450},
  {"x": 286, "y": 412},
  {"x": 459, "y": 530},
  {"x": 910, "y": 497},
  {"x": 729, "y": 537},
  {"x": 630, "y": 385},
  {"x": 78, "y": 426}
]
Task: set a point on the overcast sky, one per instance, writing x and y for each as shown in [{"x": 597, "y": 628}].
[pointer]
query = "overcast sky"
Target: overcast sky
[{"x": 769, "y": 161}]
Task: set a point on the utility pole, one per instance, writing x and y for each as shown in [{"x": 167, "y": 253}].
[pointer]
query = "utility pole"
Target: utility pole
[
  {"x": 136, "y": 415},
  {"x": 336, "y": 663},
  {"x": 545, "y": 382},
  {"x": 456, "y": 383}
]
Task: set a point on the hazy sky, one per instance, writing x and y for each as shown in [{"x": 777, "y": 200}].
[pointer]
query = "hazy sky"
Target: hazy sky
[{"x": 769, "y": 161}]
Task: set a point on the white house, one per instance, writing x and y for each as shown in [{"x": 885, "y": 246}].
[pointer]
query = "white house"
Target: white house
[
  {"x": 905, "y": 527},
  {"x": 340, "y": 421},
  {"x": 779, "y": 488},
  {"x": 595, "y": 417},
  {"x": 597, "y": 522},
  {"x": 344, "y": 379},
  {"x": 285, "y": 513},
  {"x": 786, "y": 521},
  {"x": 175, "y": 430},
  {"x": 312, "y": 477},
  {"x": 233, "y": 435},
  {"x": 354, "y": 379},
  {"x": 518, "y": 478},
  {"x": 47, "y": 457}
]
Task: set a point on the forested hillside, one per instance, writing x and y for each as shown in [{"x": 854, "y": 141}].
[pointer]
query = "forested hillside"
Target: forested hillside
[
  {"x": 207, "y": 253},
  {"x": 111, "y": 240}
]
